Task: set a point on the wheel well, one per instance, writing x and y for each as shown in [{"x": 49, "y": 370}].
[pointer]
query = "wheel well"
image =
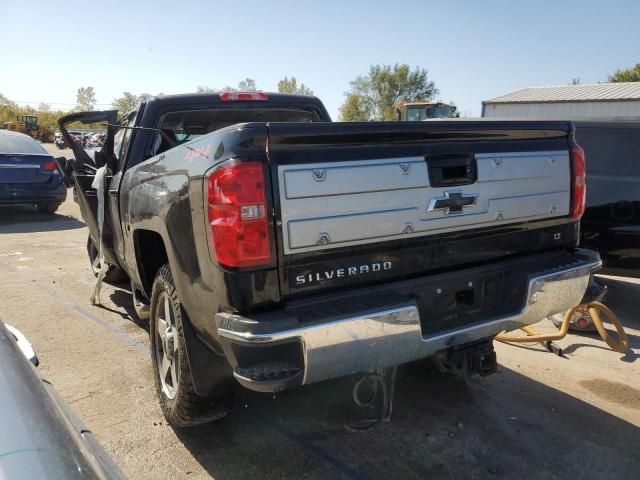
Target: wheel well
[{"x": 151, "y": 254}]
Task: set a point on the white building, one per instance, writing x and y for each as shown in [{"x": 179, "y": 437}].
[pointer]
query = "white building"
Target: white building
[{"x": 568, "y": 102}]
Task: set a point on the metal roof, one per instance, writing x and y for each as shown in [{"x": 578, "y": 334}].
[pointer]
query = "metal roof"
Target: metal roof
[{"x": 600, "y": 92}]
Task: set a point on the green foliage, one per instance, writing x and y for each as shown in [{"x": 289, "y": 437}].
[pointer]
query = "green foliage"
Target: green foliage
[
  {"x": 129, "y": 101},
  {"x": 85, "y": 99},
  {"x": 8, "y": 109},
  {"x": 247, "y": 85},
  {"x": 11, "y": 111},
  {"x": 626, "y": 75},
  {"x": 287, "y": 85},
  {"x": 356, "y": 108},
  {"x": 4, "y": 101},
  {"x": 377, "y": 95}
]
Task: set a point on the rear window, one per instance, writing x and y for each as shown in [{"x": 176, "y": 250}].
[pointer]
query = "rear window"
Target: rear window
[
  {"x": 186, "y": 125},
  {"x": 20, "y": 144}
]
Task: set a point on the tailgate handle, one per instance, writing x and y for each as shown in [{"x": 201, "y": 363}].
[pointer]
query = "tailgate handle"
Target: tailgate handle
[{"x": 451, "y": 170}]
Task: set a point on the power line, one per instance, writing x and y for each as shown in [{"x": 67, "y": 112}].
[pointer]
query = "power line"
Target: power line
[{"x": 34, "y": 102}]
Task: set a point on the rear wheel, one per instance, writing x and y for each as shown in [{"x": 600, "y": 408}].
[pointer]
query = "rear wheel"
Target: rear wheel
[
  {"x": 114, "y": 274},
  {"x": 181, "y": 405},
  {"x": 48, "y": 207}
]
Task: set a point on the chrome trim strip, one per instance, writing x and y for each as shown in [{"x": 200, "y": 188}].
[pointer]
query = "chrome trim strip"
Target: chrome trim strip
[
  {"x": 19, "y": 166},
  {"x": 393, "y": 336},
  {"x": 21, "y": 155}
]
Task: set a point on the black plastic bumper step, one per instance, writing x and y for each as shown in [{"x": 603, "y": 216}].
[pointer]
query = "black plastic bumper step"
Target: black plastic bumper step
[{"x": 269, "y": 371}]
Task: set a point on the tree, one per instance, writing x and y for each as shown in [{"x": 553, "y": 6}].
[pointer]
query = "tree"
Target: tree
[
  {"x": 356, "y": 108},
  {"x": 205, "y": 89},
  {"x": 287, "y": 85},
  {"x": 626, "y": 75},
  {"x": 377, "y": 95},
  {"x": 575, "y": 81},
  {"x": 44, "y": 108},
  {"x": 8, "y": 109},
  {"x": 247, "y": 85},
  {"x": 4, "y": 101},
  {"x": 129, "y": 101},
  {"x": 85, "y": 99}
]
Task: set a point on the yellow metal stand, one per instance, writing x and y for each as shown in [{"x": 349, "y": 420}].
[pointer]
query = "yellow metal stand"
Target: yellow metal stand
[{"x": 594, "y": 309}]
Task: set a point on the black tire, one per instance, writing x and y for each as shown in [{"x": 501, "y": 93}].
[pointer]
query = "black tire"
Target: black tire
[
  {"x": 48, "y": 207},
  {"x": 181, "y": 405},
  {"x": 113, "y": 275}
]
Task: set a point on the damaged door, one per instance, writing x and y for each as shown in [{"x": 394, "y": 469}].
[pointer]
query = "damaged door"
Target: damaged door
[{"x": 82, "y": 171}]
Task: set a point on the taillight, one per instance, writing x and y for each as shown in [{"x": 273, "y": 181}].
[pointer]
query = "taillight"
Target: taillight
[
  {"x": 243, "y": 96},
  {"x": 579, "y": 184},
  {"x": 237, "y": 212},
  {"x": 49, "y": 166}
]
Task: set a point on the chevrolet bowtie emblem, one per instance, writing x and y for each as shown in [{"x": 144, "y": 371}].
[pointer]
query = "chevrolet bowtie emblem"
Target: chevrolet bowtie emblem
[{"x": 452, "y": 202}]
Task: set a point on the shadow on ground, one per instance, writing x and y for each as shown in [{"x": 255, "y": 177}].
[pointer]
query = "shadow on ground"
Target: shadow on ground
[
  {"x": 122, "y": 298},
  {"x": 623, "y": 297},
  {"x": 29, "y": 220},
  {"x": 504, "y": 426}
]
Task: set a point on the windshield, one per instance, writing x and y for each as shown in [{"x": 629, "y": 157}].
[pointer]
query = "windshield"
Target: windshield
[
  {"x": 441, "y": 111},
  {"x": 424, "y": 112},
  {"x": 20, "y": 144},
  {"x": 416, "y": 114},
  {"x": 183, "y": 126}
]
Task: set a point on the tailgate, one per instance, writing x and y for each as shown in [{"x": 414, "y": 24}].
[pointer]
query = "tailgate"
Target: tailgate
[{"x": 356, "y": 201}]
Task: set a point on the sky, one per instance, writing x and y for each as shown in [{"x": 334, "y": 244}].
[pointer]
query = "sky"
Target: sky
[{"x": 473, "y": 50}]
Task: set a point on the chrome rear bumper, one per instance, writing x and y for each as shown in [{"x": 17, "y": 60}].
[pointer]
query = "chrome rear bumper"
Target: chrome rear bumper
[{"x": 394, "y": 336}]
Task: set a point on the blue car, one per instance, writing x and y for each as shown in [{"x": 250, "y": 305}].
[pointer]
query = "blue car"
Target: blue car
[{"x": 28, "y": 174}]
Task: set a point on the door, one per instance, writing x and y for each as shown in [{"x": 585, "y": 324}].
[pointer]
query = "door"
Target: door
[
  {"x": 122, "y": 140},
  {"x": 83, "y": 170}
]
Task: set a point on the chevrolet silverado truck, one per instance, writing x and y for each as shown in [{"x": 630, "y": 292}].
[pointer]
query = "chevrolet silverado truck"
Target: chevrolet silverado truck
[{"x": 271, "y": 247}]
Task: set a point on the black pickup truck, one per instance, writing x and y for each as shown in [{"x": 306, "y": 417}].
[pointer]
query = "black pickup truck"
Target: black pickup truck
[{"x": 274, "y": 247}]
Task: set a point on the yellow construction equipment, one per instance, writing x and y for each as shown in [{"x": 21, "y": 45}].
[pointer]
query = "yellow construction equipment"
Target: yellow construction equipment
[
  {"x": 419, "y": 111},
  {"x": 28, "y": 125}
]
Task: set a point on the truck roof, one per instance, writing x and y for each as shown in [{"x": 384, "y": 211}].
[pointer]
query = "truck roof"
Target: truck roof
[
  {"x": 215, "y": 98},
  {"x": 272, "y": 97}
]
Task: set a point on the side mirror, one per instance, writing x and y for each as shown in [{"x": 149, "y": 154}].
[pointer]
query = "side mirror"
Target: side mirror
[{"x": 23, "y": 344}]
